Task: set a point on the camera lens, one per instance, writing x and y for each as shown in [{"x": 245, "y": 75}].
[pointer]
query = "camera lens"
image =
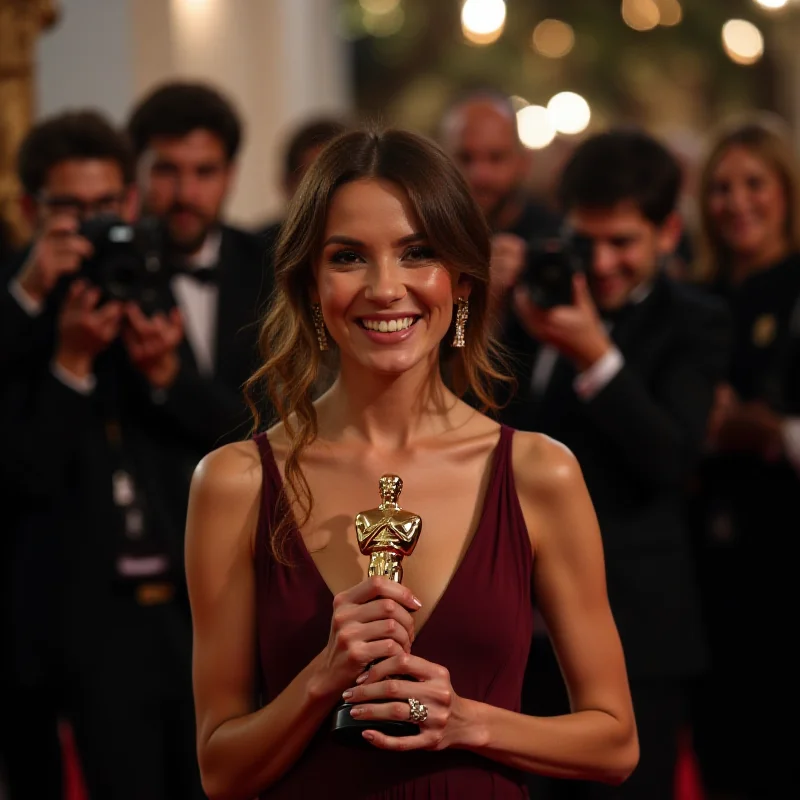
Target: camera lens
[{"x": 119, "y": 275}]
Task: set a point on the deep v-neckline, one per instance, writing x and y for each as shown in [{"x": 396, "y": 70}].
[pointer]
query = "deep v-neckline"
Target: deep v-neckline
[{"x": 497, "y": 451}]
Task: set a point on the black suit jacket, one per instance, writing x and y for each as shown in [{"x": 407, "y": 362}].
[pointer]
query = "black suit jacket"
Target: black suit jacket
[
  {"x": 22, "y": 336},
  {"x": 211, "y": 411},
  {"x": 56, "y": 463},
  {"x": 637, "y": 442},
  {"x": 747, "y": 506}
]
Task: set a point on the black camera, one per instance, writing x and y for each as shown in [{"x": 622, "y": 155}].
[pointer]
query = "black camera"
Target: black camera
[
  {"x": 550, "y": 265},
  {"x": 128, "y": 263}
]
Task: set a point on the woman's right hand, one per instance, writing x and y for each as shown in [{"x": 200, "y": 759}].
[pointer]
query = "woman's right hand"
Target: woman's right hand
[{"x": 371, "y": 621}]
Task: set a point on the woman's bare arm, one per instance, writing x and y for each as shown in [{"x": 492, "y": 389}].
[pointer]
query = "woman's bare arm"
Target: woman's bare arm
[
  {"x": 597, "y": 741},
  {"x": 241, "y": 751}
]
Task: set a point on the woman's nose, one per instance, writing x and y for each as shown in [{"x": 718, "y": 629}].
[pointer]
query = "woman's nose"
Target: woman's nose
[{"x": 385, "y": 283}]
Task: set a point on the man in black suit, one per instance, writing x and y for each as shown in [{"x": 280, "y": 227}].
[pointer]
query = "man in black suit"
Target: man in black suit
[
  {"x": 624, "y": 375},
  {"x": 186, "y": 137},
  {"x": 101, "y": 512},
  {"x": 71, "y": 166}
]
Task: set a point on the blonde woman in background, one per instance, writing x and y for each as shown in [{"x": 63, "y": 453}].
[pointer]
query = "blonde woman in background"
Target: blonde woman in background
[
  {"x": 749, "y": 202},
  {"x": 750, "y": 254}
]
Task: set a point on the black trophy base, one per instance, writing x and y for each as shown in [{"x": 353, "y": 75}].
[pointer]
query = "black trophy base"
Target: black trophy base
[{"x": 347, "y": 730}]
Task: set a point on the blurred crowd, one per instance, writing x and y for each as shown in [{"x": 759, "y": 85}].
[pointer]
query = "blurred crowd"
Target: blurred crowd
[{"x": 663, "y": 351}]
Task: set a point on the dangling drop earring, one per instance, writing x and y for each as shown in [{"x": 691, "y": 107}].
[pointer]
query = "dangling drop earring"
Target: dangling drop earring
[
  {"x": 462, "y": 314},
  {"x": 319, "y": 325}
]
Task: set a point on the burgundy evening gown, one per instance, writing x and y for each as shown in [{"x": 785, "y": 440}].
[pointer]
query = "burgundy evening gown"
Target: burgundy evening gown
[{"x": 480, "y": 631}]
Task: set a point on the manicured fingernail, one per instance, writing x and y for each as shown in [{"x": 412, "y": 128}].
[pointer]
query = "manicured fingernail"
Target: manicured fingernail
[
  {"x": 417, "y": 602},
  {"x": 356, "y": 712},
  {"x": 362, "y": 677},
  {"x": 347, "y": 695},
  {"x": 368, "y": 736}
]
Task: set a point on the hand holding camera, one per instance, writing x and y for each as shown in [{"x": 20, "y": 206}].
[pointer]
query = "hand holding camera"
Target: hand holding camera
[
  {"x": 58, "y": 250},
  {"x": 130, "y": 267},
  {"x": 124, "y": 279},
  {"x": 85, "y": 329},
  {"x": 152, "y": 344},
  {"x": 575, "y": 330}
]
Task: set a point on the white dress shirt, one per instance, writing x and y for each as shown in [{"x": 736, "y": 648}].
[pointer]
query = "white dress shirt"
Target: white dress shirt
[{"x": 198, "y": 303}]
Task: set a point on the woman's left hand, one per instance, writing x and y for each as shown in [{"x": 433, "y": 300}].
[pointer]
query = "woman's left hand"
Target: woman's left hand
[{"x": 448, "y": 722}]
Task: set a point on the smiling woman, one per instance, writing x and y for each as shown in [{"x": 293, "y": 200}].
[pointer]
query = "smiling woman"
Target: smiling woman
[
  {"x": 749, "y": 201},
  {"x": 384, "y": 259},
  {"x": 434, "y": 226}
]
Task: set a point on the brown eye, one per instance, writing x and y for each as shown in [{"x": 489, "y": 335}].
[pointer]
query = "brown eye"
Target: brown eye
[
  {"x": 345, "y": 257},
  {"x": 420, "y": 253}
]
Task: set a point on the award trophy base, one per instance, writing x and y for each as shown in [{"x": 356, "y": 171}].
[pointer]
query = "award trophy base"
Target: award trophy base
[{"x": 348, "y": 730}]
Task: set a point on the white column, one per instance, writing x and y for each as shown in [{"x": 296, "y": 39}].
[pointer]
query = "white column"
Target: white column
[
  {"x": 86, "y": 59},
  {"x": 278, "y": 60}
]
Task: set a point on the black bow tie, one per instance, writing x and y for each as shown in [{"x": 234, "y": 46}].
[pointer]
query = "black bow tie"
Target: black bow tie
[{"x": 207, "y": 275}]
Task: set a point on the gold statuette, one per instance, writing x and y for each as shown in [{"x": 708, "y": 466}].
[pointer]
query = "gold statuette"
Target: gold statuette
[{"x": 387, "y": 534}]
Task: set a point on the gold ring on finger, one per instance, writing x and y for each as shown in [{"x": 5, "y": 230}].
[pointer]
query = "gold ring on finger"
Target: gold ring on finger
[{"x": 418, "y": 712}]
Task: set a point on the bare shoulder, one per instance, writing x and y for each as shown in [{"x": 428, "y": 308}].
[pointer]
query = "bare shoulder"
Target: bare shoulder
[
  {"x": 225, "y": 499},
  {"x": 222, "y": 523},
  {"x": 551, "y": 491},
  {"x": 231, "y": 472},
  {"x": 544, "y": 469}
]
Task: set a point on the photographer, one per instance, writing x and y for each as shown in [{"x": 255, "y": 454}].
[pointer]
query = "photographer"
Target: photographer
[
  {"x": 186, "y": 138},
  {"x": 94, "y": 486},
  {"x": 621, "y": 368},
  {"x": 69, "y": 166},
  {"x": 480, "y": 132},
  {"x": 87, "y": 170}
]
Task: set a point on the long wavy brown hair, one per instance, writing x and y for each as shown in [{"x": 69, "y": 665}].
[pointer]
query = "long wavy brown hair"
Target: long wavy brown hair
[
  {"x": 291, "y": 356},
  {"x": 768, "y": 138}
]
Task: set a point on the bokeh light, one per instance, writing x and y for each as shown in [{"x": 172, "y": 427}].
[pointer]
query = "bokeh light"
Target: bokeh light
[
  {"x": 553, "y": 38},
  {"x": 772, "y": 5},
  {"x": 742, "y": 41},
  {"x": 482, "y": 21},
  {"x": 641, "y": 15},
  {"x": 670, "y": 12},
  {"x": 569, "y": 112},
  {"x": 535, "y": 127}
]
